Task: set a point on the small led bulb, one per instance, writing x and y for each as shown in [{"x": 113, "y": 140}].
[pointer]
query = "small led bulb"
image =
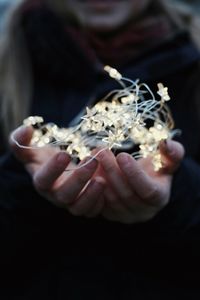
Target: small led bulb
[{"x": 113, "y": 72}]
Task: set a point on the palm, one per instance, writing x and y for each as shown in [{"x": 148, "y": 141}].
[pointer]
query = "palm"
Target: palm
[
  {"x": 134, "y": 191},
  {"x": 128, "y": 191}
]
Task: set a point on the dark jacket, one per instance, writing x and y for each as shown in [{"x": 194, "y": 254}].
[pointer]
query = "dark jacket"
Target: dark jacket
[{"x": 46, "y": 253}]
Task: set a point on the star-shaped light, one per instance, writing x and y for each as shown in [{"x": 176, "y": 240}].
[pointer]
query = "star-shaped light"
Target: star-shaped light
[
  {"x": 163, "y": 92},
  {"x": 120, "y": 118}
]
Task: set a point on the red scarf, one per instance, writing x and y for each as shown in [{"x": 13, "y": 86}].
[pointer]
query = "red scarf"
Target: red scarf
[
  {"x": 120, "y": 47},
  {"x": 131, "y": 41}
]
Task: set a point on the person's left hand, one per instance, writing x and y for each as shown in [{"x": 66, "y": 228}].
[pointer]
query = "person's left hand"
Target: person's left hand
[
  {"x": 74, "y": 191},
  {"x": 134, "y": 191}
]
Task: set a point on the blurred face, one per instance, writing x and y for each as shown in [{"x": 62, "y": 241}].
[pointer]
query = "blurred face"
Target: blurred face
[{"x": 105, "y": 15}]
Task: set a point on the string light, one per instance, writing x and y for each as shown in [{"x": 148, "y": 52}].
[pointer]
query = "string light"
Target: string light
[{"x": 127, "y": 117}]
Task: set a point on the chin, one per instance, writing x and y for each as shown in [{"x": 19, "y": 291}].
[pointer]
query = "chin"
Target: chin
[{"x": 103, "y": 23}]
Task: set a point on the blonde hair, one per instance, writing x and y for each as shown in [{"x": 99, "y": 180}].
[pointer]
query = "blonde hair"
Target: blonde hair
[
  {"x": 15, "y": 74},
  {"x": 15, "y": 69}
]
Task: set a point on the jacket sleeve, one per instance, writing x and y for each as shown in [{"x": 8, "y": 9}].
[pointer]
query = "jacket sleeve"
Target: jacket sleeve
[
  {"x": 25, "y": 217},
  {"x": 182, "y": 214}
]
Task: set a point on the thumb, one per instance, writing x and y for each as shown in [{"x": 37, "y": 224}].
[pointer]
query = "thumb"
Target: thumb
[
  {"x": 172, "y": 154},
  {"x": 19, "y": 141}
]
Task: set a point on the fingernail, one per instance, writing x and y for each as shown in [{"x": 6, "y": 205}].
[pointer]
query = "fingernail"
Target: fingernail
[
  {"x": 89, "y": 162},
  {"x": 62, "y": 156},
  {"x": 163, "y": 143},
  {"x": 20, "y": 130},
  {"x": 22, "y": 134},
  {"x": 123, "y": 158},
  {"x": 168, "y": 146}
]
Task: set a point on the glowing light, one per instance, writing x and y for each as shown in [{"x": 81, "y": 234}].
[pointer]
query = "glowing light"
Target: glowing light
[
  {"x": 163, "y": 92},
  {"x": 116, "y": 123}
]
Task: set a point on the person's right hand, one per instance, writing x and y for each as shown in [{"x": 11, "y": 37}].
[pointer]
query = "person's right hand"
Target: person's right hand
[
  {"x": 134, "y": 191},
  {"x": 76, "y": 190}
]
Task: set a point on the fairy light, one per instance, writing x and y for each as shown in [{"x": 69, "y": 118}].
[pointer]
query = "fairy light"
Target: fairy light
[
  {"x": 163, "y": 92},
  {"x": 119, "y": 120}
]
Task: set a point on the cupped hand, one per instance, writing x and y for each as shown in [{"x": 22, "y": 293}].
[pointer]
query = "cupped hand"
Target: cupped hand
[
  {"x": 74, "y": 190},
  {"x": 120, "y": 188},
  {"x": 134, "y": 191}
]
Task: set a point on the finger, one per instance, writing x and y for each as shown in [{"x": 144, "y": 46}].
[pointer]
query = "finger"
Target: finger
[
  {"x": 137, "y": 211},
  {"x": 112, "y": 206},
  {"x": 143, "y": 185},
  {"x": 118, "y": 204},
  {"x": 114, "y": 175},
  {"x": 173, "y": 153},
  {"x": 121, "y": 206},
  {"x": 97, "y": 208},
  {"x": 87, "y": 200},
  {"x": 109, "y": 215},
  {"x": 19, "y": 140},
  {"x": 124, "y": 196},
  {"x": 46, "y": 176},
  {"x": 70, "y": 189},
  {"x": 118, "y": 216}
]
